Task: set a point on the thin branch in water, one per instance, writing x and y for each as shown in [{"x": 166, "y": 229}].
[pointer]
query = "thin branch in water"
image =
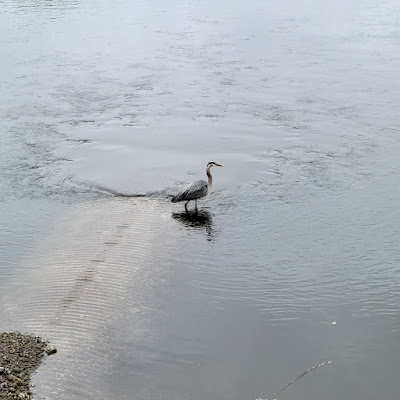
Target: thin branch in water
[{"x": 300, "y": 376}]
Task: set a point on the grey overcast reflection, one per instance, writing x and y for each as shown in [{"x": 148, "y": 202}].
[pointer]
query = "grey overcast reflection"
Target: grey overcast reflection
[{"x": 109, "y": 108}]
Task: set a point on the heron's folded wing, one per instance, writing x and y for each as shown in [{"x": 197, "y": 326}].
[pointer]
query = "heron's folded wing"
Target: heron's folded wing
[{"x": 194, "y": 191}]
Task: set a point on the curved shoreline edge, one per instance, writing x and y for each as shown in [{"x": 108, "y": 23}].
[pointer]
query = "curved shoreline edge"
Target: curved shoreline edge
[{"x": 20, "y": 356}]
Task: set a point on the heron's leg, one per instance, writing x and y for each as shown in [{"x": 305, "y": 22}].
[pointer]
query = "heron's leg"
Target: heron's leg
[
  {"x": 186, "y": 206},
  {"x": 195, "y": 202}
]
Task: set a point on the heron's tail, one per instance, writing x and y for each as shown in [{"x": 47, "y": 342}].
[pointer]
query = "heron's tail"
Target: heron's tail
[{"x": 176, "y": 198}]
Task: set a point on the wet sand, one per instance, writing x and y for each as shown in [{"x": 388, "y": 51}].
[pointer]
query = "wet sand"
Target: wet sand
[
  {"x": 94, "y": 269},
  {"x": 21, "y": 355}
]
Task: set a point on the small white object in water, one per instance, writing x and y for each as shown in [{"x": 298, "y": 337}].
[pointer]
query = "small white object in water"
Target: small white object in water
[{"x": 334, "y": 323}]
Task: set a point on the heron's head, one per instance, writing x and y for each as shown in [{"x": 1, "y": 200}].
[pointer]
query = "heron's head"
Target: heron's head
[{"x": 213, "y": 164}]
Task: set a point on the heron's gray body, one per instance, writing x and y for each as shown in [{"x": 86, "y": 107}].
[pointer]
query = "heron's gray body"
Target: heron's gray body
[{"x": 194, "y": 191}]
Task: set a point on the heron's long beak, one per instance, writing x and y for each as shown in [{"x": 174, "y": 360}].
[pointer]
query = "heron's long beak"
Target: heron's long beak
[{"x": 218, "y": 165}]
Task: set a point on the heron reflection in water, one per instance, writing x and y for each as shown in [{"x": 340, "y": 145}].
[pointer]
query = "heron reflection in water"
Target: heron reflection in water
[
  {"x": 196, "y": 220},
  {"x": 196, "y": 190}
]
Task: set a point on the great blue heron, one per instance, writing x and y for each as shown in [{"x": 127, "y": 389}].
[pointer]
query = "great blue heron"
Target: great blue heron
[{"x": 198, "y": 189}]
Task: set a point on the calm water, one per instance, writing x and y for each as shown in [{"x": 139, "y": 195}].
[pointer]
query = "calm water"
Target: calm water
[{"x": 105, "y": 101}]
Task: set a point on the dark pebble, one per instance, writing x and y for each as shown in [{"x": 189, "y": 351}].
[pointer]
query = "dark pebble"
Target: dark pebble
[{"x": 50, "y": 350}]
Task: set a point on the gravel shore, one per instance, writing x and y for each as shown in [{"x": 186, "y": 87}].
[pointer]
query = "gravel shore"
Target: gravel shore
[{"x": 20, "y": 355}]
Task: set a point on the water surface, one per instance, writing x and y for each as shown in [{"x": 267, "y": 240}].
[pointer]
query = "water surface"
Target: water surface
[{"x": 108, "y": 108}]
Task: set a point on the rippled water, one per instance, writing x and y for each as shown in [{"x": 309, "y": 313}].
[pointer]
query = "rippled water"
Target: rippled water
[{"x": 108, "y": 108}]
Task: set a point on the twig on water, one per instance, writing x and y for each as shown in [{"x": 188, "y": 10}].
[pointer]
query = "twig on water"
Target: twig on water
[{"x": 300, "y": 376}]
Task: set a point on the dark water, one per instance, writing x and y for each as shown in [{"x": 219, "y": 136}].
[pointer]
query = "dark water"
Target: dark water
[{"x": 299, "y": 100}]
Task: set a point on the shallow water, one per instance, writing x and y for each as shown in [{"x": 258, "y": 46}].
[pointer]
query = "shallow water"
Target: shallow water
[{"x": 107, "y": 109}]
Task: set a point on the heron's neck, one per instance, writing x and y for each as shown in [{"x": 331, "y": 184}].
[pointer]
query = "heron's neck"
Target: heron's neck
[{"x": 209, "y": 176}]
